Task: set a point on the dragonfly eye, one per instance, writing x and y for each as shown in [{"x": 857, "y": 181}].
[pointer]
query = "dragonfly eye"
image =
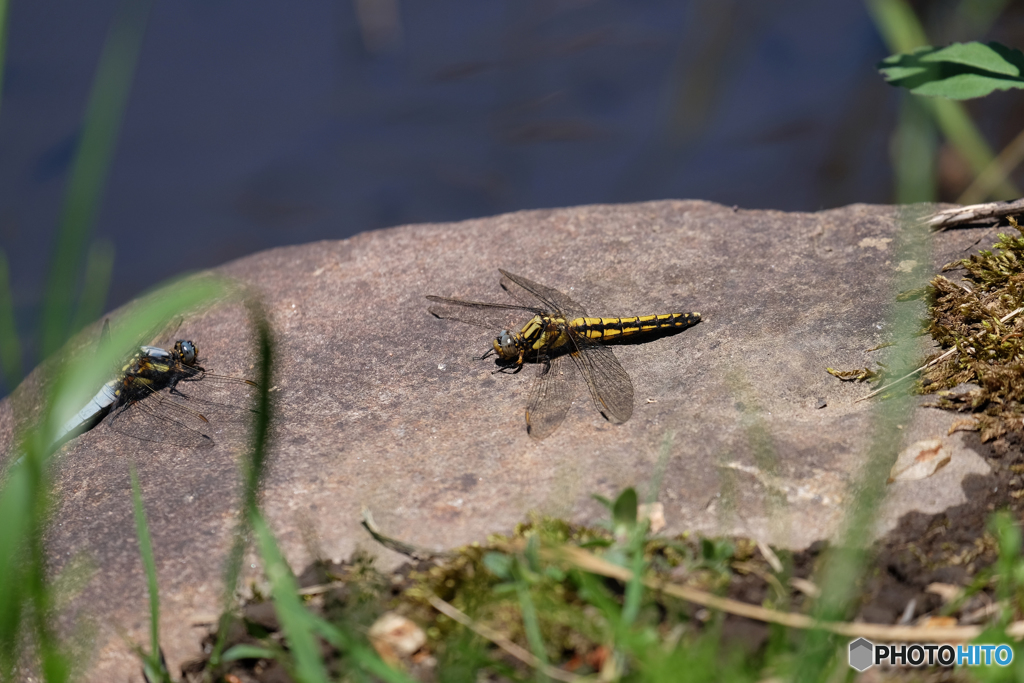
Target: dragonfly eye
[
  {"x": 505, "y": 345},
  {"x": 187, "y": 351}
]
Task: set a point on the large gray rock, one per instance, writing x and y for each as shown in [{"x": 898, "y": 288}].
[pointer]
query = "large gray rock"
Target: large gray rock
[{"x": 381, "y": 405}]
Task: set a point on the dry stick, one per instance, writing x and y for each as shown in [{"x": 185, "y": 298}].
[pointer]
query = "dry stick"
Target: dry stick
[
  {"x": 876, "y": 632},
  {"x": 941, "y": 358},
  {"x": 501, "y": 641},
  {"x": 961, "y": 215}
]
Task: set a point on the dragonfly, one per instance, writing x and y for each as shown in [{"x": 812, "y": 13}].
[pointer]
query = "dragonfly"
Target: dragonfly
[
  {"x": 564, "y": 341},
  {"x": 145, "y": 399}
]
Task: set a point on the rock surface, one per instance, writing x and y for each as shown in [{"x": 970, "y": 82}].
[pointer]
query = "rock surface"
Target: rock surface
[{"x": 381, "y": 405}]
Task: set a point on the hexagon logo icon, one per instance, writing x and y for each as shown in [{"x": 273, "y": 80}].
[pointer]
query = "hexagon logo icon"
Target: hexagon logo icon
[{"x": 861, "y": 654}]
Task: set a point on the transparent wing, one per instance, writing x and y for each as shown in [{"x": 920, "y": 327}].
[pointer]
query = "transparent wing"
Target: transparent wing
[
  {"x": 184, "y": 416},
  {"x": 551, "y": 397},
  {"x": 528, "y": 292},
  {"x": 609, "y": 384},
  {"x": 160, "y": 419},
  {"x": 492, "y": 316}
]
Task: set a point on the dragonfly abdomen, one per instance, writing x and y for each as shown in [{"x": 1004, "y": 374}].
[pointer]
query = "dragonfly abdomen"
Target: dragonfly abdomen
[{"x": 610, "y": 328}]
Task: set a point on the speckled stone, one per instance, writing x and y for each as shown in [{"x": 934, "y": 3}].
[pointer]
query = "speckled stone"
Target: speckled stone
[{"x": 379, "y": 404}]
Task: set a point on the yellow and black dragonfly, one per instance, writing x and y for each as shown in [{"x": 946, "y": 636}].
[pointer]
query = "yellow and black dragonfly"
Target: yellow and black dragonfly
[
  {"x": 148, "y": 400},
  {"x": 559, "y": 336}
]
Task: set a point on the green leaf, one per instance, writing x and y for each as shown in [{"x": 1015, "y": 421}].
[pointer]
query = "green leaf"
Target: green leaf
[
  {"x": 624, "y": 511},
  {"x": 498, "y": 564},
  {"x": 960, "y": 71}
]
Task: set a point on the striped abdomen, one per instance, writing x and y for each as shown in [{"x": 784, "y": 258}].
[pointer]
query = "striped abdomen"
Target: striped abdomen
[{"x": 611, "y": 328}]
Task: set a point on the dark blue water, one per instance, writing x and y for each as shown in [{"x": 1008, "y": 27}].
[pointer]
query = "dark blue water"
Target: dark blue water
[{"x": 258, "y": 124}]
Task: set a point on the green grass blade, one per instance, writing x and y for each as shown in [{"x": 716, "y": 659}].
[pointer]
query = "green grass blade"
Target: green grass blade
[
  {"x": 91, "y": 166},
  {"x": 302, "y": 642},
  {"x": 15, "y": 510},
  {"x": 10, "y": 348},
  {"x": 896, "y": 21},
  {"x": 252, "y": 468},
  {"x": 363, "y": 657},
  {"x": 914, "y": 154},
  {"x": 956, "y": 125},
  {"x": 976, "y": 17},
  {"x": 99, "y": 267},
  {"x": 255, "y": 464},
  {"x": 531, "y": 624},
  {"x": 634, "y": 595},
  {"x": 246, "y": 651},
  {"x": 148, "y": 562},
  {"x": 845, "y": 561}
]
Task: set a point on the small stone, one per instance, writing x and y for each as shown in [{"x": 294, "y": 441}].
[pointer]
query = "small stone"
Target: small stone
[{"x": 395, "y": 637}]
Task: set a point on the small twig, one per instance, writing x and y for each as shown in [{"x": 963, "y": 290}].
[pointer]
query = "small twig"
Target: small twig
[
  {"x": 877, "y": 632},
  {"x": 947, "y": 354},
  {"x": 806, "y": 587},
  {"x": 960, "y": 215},
  {"x": 522, "y": 654},
  {"x": 407, "y": 549},
  {"x": 321, "y": 588},
  {"x": 769, "y": 555}
]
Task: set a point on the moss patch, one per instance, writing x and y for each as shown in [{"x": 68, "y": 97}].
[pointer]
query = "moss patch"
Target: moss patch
[{"x": 980, "y": 318}]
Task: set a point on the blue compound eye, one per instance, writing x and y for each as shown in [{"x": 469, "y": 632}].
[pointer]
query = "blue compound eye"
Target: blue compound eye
[{"x": 188, "y": 351}]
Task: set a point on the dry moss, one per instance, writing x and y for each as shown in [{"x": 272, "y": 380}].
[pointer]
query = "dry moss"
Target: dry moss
[{"x": 990, "y": 353}]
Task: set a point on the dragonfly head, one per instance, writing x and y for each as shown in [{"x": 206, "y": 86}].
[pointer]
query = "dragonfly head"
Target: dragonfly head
[
  {"x": 505, "y": 346},
  {"x": 187, "y": 351}
]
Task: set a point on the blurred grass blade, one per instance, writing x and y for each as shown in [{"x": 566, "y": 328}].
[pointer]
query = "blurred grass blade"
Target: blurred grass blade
[
  {"x": 16, "y": 513},
  {"x": 246, "y": 651},
  {"x": 91, "y": 166},
  {"x": 896, "y": 21},
  {"x": 961, "y": 132},
  {"x": 363, "y": 657},
  {"x": 976, "y": 17},
  {"x": 633, "y": 598},
  {"x": 914, "y": 154},
  {"x": 1006, "y": 163},
  {"x": 99, "y": 267},
  {"x": 297, "y": 629},
  {"x": 531, "y": 624},
  {"x": 146, "y": 552},
  {"x": 845, "y": 560},
  {"x": 255, "y": 464},
  {"x": 10, "y": 348},
  {"x": 253, "y": 468}
]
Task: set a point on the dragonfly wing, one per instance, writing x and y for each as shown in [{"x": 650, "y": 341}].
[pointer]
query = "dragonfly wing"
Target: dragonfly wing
[
  {"x": 609, "y": 384},
  {"x": 160, "y": 419},
  {"x": 218, "y": 395},
  {"x": 527, "y": 292},
  {"x": 551, "y": 397},
  {"x": 479, "y": 313}
]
